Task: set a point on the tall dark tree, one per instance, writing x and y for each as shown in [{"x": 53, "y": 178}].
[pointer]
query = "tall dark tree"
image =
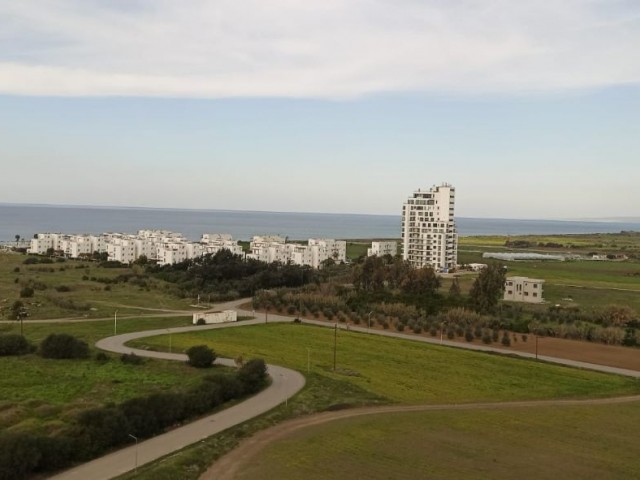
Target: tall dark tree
[
  {"x": 421, "y": 281},
  {"x": 454, "y": 289},
  {"x": 488, "y": 288}
]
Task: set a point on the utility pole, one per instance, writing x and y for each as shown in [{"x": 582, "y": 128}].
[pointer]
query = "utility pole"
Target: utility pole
[
  {"x": 335, "y": 345},
  {"x": 115, "y": 323}
]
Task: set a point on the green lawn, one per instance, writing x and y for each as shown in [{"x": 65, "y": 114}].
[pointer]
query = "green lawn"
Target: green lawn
[
  {"x": 543, "y": 442},
  {"x": 403, "y": 371},
  {"x": 91, "y": 298},
  {"x": 39, "y": 394}
]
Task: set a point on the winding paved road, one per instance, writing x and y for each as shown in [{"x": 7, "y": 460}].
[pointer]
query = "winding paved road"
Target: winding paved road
[{"x": 285, "y": 383}]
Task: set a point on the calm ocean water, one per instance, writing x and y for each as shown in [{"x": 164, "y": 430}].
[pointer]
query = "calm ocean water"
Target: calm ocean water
[{"x": 26, "y": 220}]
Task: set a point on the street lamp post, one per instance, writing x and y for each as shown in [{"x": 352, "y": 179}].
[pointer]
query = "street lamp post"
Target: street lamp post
[
  {"x": 136, "y": 462},
  {"x": 115, "y": 322},
  {"x": 308, "y": 359},
  {"x": 170, "y": 334},
  {"x": 335, "y": 345},
  {"x": 536, "y": 346},
  {"x": 370, "y": 313}
]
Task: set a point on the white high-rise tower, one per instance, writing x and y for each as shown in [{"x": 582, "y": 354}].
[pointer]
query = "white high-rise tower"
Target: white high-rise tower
[{"x": 429, "y": 234}]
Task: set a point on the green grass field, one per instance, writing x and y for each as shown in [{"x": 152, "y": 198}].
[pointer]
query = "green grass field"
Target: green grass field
[
  {"x": 529, "y": 443},
  {"x": 91, "y": 298},
  {"x": 403, "y": 371},
  {"x": 39, "y": 394}
]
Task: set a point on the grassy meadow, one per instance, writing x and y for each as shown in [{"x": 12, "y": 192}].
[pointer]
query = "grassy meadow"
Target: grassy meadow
[
  {"x": 402, "y": 371},
  {"x": 572, "y": 443},
  {"x": 39, "y": 394},
  {"x": 85, "y": 298}
]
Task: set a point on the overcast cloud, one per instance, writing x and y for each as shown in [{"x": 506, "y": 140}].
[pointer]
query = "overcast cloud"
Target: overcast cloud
[{"x": 315, "y": 49}]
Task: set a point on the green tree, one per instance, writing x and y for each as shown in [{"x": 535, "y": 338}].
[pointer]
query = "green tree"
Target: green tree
[
  {"x": 200, "y": 356},
  {"x": 421, "y": 281},
  {"x": 454, "y": 289},
  {"x": 488, "y": 288}
]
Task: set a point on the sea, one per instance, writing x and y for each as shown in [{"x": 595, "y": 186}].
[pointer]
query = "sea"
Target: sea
[{"x": 27, "y": 220}]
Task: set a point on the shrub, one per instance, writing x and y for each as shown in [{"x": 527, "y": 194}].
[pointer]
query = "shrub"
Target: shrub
[
  {"x": 201, "y": 321},
  {"x": 19, "y": 456},
  {"x": 495, "y": 334},
  {"x": 200, "y": 356},
  {"x": 26, "y": 292},
  {"x": 131, "y": 359},
  {"x": 102, "y": 357},
  {"x": 63, "y": 288},
  {"x": 16, "y": 270},
  {"x": 524, "y": 338},
  {"x": 14, "y": 344},
  {"x": 417, "y": 329},
  {"x": 253, "y": 375},
  {"x": 468, "y": 336},
  {"x": 506, "y": 341},
  {"x": 62, "y": 345},
  {"x": 486, "y": 338}
]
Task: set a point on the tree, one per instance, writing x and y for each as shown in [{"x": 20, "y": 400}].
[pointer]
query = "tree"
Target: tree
[
  {"x": 200, "y": 356},
  {"x": 488, "y": 288},
  {"x": 62, "y": 345},
  {"x": 17, "y": 240},
  {"x": 421, "y": 281},
  {"x": 454, "y": 289}
]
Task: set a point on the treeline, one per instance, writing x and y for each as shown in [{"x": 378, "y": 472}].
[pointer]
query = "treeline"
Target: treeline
[
  {"x": 99, "y": 430},
  {"x": 231, "y": 275}
]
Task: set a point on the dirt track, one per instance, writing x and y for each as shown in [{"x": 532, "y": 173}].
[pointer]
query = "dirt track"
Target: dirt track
[{"x": 227, "y": 466}]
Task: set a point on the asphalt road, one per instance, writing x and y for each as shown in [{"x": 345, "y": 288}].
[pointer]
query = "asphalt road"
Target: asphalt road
[{"x": 285, "y": 383}]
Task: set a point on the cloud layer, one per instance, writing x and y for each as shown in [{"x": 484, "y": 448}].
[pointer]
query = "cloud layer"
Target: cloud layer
[{"x": 315, "y": 49}]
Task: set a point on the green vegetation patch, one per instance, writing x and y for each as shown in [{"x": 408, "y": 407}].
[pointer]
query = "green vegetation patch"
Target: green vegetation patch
[
  {"x": 403, "y": 371},
  {"x": 526, "y": 443}
]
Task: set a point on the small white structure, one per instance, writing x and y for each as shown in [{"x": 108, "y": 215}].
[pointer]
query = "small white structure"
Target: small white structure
[
  {"x": 523, "y": 289},
  {"x": 476, "y": 267},
  {"x": 216, "y": 317},
  {"x": 383, "y": 248}
]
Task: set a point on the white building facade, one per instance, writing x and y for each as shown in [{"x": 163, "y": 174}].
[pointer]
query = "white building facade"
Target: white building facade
[
  {"x": 523, "y": 289},
  {"x": 382, "y": 248},
  {"x": 275, "y": 249},
  {"x": 429, "y": 235}
]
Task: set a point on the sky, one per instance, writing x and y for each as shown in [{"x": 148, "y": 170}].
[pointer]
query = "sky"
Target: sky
[{"x": 531, "y": 109}]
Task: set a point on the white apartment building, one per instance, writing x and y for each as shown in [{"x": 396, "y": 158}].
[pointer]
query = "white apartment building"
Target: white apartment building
[
  {"x": 382, "y": 248},
  {"x": 523, "y": 289},
  {"x": 274, "y": 249},
  {"x": 429, "y": 236},
  {"x": 41, "y": 242}
]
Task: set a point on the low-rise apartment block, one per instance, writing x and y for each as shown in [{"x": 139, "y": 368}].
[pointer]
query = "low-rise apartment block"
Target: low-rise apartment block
[
  {"x": 382, "y": 248},
  {"x": 523, "y": 289},
  {"x": 275, "y": 249}
]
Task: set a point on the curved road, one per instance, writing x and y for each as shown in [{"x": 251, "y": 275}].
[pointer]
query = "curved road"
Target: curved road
[{"x": 285, "y": 383}]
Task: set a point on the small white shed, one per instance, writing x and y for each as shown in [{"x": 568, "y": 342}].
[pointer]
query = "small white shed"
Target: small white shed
[{"x": 216, "y": 317}]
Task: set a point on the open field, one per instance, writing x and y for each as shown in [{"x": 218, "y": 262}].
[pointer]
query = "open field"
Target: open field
[
  {"x": 588, "y": 284},
  {"x": 86, "y": 297},
  {"x": 42, "y": 394},
  {"x": 403, "y": 371},
  {"x": 573, "y": 442}
]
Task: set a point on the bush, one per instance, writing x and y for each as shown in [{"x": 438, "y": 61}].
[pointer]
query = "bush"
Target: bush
[
  {"x": 468, "y": 336},
  {"x": 26, "y": 292},
  {"x": 102, "y": 357},
  {"x": 131, "y": 359},
  {"x": 19, "y": 456},
  {"x": 506, "y": 341},
  {"x": 253, "y": 375},
  {"x": 62, "y": 345},
  {"x": 200, "y": 356},
  {"x": 16, "y": 270},
  {"x": 14, "y": 344},
  {"x": 486, "y": 338},
  {"x": 63, "y": 288},
  {"x": 201, "y": 321}
]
